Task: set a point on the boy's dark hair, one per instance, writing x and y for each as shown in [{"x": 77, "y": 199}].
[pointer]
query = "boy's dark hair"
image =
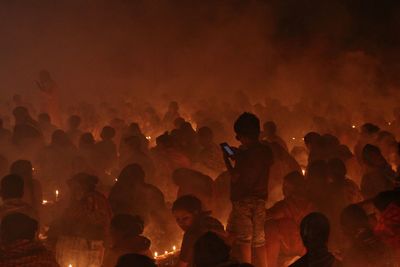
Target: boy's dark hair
[
  {"x": 314, "y": 230},
  {"x": 17, "y": 226},
  {"x": 247, "y": 125},
  {"x": 133, "y": 260},
  {"x": 210, "y": 250},
  {"x": 128, "y": 224},
  {"x": 188, "y": 203},
  {"x": 12, "y": 186}
]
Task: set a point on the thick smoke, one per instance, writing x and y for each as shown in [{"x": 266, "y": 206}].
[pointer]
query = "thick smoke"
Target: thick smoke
[{"x": 290, "y": 50}]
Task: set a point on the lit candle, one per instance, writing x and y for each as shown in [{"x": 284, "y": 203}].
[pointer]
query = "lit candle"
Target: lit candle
[
  {"x": 165, "y": 252},
  {"x": 148, "y": 138},
  {"x": 44, "y": 202},
  {"x": 173, "y": 248},
  {"x": 57, "y": 193},
  {"x": 155, "y": 254},
  {"x": 69, "y": 265},
  {"x": 294, "y": 138},
  {"x": 303, "y": 171},
  {"x": 353, "y": 126}
]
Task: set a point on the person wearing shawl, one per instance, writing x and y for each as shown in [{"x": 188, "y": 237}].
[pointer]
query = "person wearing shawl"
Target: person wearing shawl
[
  {"x": 19, "y": 246},
  {"x": 388, "y": 225},
  {"x": 365, "y": 248},
  {"x": 314, "y": 231}
]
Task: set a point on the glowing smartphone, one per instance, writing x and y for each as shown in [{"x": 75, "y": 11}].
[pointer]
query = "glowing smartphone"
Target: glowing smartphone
[{"x": 227, "y": 149}]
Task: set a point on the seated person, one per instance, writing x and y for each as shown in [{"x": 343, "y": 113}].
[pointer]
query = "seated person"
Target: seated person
[
  {"x": 387, "y": 205},
  {"x": 194, "y": 221},
  {"x": 126, "y": 237},
  {"x": 314, "y": 231},
  {"x": 12, "y": 191},
  {"x": 32, "y": 188},
  {"x": 133, "y": 260},
  {"x": 365, "y": 249},
  {"x": 84, "y": 226},
  {"x": 284, "y": 218},
  {"x": 19, "y": 245}
]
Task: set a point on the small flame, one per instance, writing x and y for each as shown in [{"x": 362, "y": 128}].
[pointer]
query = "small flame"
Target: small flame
[
  {"x": 293, "y": 138},
  {"x": 155, "y": 254},
  {"x": 148, "y": 138},
  {"x": 389, "y": 123},
  {"x": 44, "y": 202},
  {"x": 116, "y": 179},
  {"x": 174, "y": 248},
  {"x": 353, "y": 126},
  {"x": 303, "y": 171},
  {"x": 69, "y": 265},
  {"x": 165, "y": 252}
]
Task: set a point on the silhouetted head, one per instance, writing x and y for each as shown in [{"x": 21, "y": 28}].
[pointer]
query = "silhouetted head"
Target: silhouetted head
[
  {"x": 107, "y": 133},
  {"x": 59, "y": 137},
  {"x": 372, "y": 156},
  {"x": 21, "y": 114},
  {"x": 312, "y": 139},
  {"x": 16, "y": 227},
  {"x": 132, "y": 174},
  {"x": 317, "y": 171},
  {"x": 133, "y": 142},
  {"x": 314, "y": 231},
  {"x": 369, "y": 129},
  {"x": 185, "y": 210},
  {"x": 12, "y": 186},
  {"x": 210, "y": 251},
  {"x": 133, "y": 260},
  {"x": 125, "y": 227},
  {"x": 22, "y": 168},
  {"x": 178, "y": 122},
  {"x": 247, "y": 128}
]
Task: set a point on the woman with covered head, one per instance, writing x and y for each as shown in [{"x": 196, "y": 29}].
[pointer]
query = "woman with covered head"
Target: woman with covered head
[
  {"x": 132, "y": 195},
  {"x": 378, "y": 175},
  {"x": 85, "y": 222}
]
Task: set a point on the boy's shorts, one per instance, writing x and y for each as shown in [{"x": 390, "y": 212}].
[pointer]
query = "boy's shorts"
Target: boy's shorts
[{"x": 247, "y": 222}]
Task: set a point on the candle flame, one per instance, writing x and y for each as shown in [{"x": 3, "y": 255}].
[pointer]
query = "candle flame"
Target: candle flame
[
  {"x": 148, "y": 138},
  {"x": 44, "y": 201},
  {"x": 353, "y": 126},
  {"x": 174, "y": 248},
  {"x": 69, "y": 265}
]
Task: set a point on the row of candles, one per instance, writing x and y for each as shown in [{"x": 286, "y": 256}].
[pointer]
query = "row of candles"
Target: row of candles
[{"x": 166, "y": 254}]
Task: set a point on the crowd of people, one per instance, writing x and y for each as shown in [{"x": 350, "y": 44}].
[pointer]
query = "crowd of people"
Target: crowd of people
[{"x": 81, "y": 192}]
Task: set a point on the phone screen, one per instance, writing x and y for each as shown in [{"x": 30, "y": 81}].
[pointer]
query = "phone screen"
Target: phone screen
[{"x": 228, "y": 150}]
